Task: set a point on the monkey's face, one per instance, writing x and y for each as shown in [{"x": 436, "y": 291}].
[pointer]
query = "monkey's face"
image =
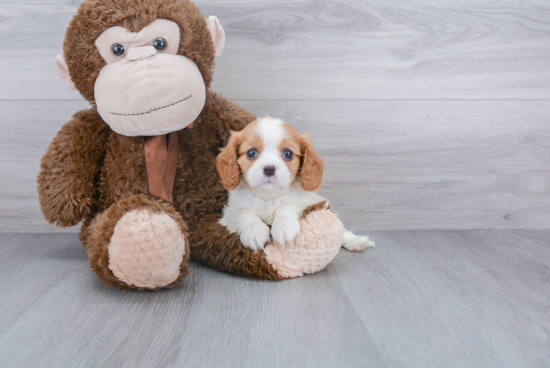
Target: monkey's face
[
  {"x": 146, "y": 88},
  {"x": 146, "y": 76}
]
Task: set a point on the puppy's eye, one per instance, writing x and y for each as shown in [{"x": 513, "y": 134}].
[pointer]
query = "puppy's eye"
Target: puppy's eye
[
  {"x": 159, "y": 44},
  {"x": 288, "y": 155},
  {"x": 252, "y": 153},
  {"x": 118, "y": 49}
]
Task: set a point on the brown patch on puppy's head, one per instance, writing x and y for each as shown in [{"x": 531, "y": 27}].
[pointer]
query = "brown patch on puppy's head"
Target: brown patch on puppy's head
[
  {"x": 231, "y": 162},
  {"x": 227, "y": 165},
  {"x": 311, "y": 175},
  {"x": 95, "y": 16}
]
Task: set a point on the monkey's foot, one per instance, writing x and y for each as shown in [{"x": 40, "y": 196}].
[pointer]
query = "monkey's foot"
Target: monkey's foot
[
  {"x": 139, "y": 243},
  {"x": 316, "y": 245}
]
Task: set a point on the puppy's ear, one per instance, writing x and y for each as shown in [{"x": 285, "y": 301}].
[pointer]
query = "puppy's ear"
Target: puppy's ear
[
  {"x": 227, "y": 165},
  {"x": 312, "y": 166}
]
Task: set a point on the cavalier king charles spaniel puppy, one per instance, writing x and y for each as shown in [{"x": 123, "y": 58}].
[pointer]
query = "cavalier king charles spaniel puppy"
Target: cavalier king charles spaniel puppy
[{"x": 272, "y": 173}]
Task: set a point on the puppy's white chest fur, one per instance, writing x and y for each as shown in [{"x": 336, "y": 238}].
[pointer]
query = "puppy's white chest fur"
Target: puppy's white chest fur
[
  {"x": 265, "y": 206},
  {"x": 249, "y": 214}
]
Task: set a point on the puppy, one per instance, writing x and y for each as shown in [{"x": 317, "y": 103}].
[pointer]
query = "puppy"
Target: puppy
[{"x": 272, "y": 173}]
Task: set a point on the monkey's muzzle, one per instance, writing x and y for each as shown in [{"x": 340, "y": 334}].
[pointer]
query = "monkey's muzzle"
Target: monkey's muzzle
[{"x": 149, "y": 94}]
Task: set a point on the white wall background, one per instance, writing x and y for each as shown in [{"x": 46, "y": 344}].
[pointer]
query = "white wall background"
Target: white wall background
[{"x": 429, "y": 114}]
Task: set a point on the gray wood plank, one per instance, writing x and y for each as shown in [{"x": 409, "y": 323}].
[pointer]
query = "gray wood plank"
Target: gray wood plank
[
  {"x": 389, "y": 164},
  {"x": 297, "y": 323},
  {"x": 31, "y": 265},
  {"x": 350, "y": 49},
  {"x": 212, "y": 320},
  {"x": 420, "y": 299},
  {"x": 539, "y": 236},
  {"x": 81, "y": 322},
  {"x": 453, "y": 299}
]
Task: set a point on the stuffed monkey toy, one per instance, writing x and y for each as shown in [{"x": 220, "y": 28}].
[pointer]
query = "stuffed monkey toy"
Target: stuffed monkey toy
[{"x": 139, "y": 167}]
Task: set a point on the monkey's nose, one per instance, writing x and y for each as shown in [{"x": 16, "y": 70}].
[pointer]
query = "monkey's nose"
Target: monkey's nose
[{"x": 137, "y": 53}]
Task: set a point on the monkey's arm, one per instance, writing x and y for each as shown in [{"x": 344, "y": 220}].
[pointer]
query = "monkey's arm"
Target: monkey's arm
[
  {"x": 69, "y": 169},
  {"x": 317, "y": 244},
  {"x": 211, "y": 243}
]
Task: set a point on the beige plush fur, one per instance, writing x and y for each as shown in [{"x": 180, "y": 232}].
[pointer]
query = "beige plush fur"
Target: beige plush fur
[
  {"x": 315, "y": 247},
  {"x": 146, "y": 249}
]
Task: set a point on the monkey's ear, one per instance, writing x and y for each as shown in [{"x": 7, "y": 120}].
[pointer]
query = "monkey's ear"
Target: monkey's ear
[
  {"x": 63, "y": 71},
  {"x": 217, "y": 33}
]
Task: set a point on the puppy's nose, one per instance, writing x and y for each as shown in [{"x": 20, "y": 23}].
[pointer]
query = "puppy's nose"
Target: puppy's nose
[
  {"x": 137, "y": 53},
  {"x": 269, "y": 170}
]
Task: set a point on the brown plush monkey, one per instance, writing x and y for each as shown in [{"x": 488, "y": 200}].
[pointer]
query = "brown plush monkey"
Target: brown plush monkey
[{"x": 139, "y": 168}]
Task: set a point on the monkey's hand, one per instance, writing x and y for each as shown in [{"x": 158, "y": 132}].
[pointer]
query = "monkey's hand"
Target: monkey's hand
[{"x": 69, "y": 169}]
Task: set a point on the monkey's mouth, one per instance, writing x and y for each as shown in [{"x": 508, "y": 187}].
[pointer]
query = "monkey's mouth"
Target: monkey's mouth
[{"x": 150, "y": 111}]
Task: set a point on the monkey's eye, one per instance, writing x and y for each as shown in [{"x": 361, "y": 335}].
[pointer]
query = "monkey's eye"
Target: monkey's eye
[
  {"x": 252, "y": 153},
  {"x": 118, "y": 49},
  {"x": 159, "y": 44},
  {"x": 288, "y": 155}
]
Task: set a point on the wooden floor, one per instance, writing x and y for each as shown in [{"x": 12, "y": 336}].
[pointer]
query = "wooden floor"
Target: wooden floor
[{"x": 420, "y": 299}]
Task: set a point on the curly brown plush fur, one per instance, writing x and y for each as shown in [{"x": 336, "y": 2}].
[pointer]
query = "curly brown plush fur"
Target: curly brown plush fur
[
  {"x": 211, "y": 244},
  {"x": 67, "y": 193}
]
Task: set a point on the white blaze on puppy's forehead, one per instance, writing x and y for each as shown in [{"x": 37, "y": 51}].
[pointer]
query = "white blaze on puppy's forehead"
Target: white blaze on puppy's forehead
[{"x": 272, "y": 131}]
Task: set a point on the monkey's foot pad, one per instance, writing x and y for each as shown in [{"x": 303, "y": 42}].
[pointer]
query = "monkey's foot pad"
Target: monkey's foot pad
[
  {"x": 313, "y": 249},
  {"x": 146, "y": 249}
]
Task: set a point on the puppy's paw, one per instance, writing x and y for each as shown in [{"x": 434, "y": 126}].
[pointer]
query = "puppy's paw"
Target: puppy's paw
[
  {"x": 255, "y": 236},
  {"x": 285, "y": 229},
  {"x": 355, "y": 243}
]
